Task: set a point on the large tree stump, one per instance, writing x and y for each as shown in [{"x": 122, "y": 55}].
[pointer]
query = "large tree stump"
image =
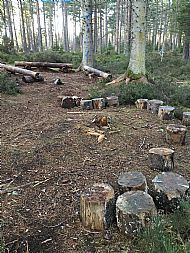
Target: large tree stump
[
  {"x": 175, "y": 134},
  {"x": 67, "y": 102},
  {"x": 86, "y": 104},
  {"x": 133, "y": 211},
  {"x": 166, "y": 112},
  {"x": 112, "y": 101},
  {"x": 141, "y": 103},
  {"x": 98, "y": 103},
  {"x": 132, "y": 181},
  {"x": 97, "y": 207},
  {"x": 153, "y": 105},
  {"x": 169, "y": 188},
  {"x": 186, "y": 118},
  {"x": 161, "y": 158}
]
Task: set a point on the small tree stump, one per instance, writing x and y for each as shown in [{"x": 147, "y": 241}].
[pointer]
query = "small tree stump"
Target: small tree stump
[
  {"x": 28, "y": 79},
  {"x": 87, "y": 104},
  {"x": 186, "y": 118},
  {"x": 169, "y": 188},
  {"x": 112, "y": 101},
  {"x": 67, "y": 102},
  {"x": 166, "y": 112},
  {"x": 101, "y": 121},
  {"x": 97, "y": 207},
  {"x": 161, "y": 158},
  {"x": 133, "y": 211},
  {"x": 175, "y": 134},
  {"x": 153, "y": 105},
  {"x": 132, "y": 181},
  {"x": 98, "y": 103},
  {"x": 141, "y": 103},
  {"x": 77, "y": 100}
]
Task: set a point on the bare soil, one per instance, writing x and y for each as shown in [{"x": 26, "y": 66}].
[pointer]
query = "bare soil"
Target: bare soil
[{"x": 44, "y": 151}]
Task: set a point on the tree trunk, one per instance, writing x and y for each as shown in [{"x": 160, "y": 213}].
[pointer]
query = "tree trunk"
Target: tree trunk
[
  {"x": 117, "y": 26},
  {"x": 23, "y": 27},
  {"x": 136, "y": 67},
  {"x": 9, "y": 22},
  {"x": 95, "y": 37},
  {"x": 45, "y": 29},
  {"x": 39, "y": 27},
  {"x": 15, "y": 33},
  {"x": 43, "y": 64}
]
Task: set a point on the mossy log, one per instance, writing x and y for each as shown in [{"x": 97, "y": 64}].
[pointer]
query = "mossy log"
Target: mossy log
[
  {"x": 97, "y": 72},
  {"x": 87, "y": 104},
  {"x": 175, "y": 134},
  {"x": 141, "y": 103},
  {"x": 112, "y": 101},
  {"x": 153, "y": 105},
  {"x": 161, "y": 159},
  {"x": 169, "y": 188},
  {"x": 97, "y": 207},
  {"x": 166, "y": 112},
  {"x": 186, "y": 118},
  {"x": 132, "y": 181},
  {"x": 134, "y": 210},
  {"x": 67, "y": 102},
  {"x": 25, "y": 72},
  {"x": 98, "y": 103}
]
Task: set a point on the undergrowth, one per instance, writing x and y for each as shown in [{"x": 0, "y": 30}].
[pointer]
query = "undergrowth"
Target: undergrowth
[{"x": 7, "y": 85}]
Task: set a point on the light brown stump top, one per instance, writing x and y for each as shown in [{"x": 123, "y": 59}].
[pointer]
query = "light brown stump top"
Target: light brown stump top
[
  {"x": 161, "y": 151},
  {"x": 170, "y": 183},
  {"x": 176, "y": 128}
]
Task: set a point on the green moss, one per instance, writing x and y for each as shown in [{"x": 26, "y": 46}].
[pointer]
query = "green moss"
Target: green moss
[{"x": 134, "y": 76}]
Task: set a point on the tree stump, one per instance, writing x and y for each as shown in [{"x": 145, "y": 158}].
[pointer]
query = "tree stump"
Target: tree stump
[
  {"x": 87, "y": 104},
  {"x": 98, "y": 103},
  {"x": 175, "y": 134},
  {"x": 67, "y": 102},
  {"x": 28, "y": 79},
  {"x": 133, "y": 211},
  {"x": 166, "y": 112},
  {"x": 161, "y": 158},
  {"x": 132, "y": 181},
  {"x": 186, "y": 118},
  {"x": 77, "y": 100},
  {"x": 97, "y": 207},
  {"x": 141, "y": 103},
  {"x": 169, "y": 188},
  {"x": 153, "y": 105},
  {"x": 112, "y": 101}
]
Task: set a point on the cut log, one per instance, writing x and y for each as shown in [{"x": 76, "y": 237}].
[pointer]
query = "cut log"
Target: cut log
[
  {"x": 112, "y": 101},
  {"x": 67, "y": 102},
  {"x": 97, "y": 72},
  {"x": 26, "y": 72},
  {"x": 166, "y": 112},
  {"x": 101, "y": 121},
  {"x": 87, "y": 104},
  {"x": 28, "y": 79},
  {"x": 77, "y": 100},
  {"x": 169, "y": 188},
  {"x": 43, "y": 64},
  {"x": 134, "y": 210},
  {"x": 99, "y": 103},
  {"x": 132, "y": 181},
  {"x": 141, "y": 103},
  {"x": 161, "y": 158},
  {"x": 97, "y": 207},
  {"x": 153, "y": 105},
  {"x": 186, "y": 118},
  {"x": 175, "y": 134}
]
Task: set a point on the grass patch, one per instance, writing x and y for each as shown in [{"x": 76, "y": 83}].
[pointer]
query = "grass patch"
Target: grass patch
[{"x": 8, "y": 86}]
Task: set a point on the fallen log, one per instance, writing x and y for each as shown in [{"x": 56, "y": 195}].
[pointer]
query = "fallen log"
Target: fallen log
[
  {"x": 134, "y": 210},
  {"x": 97, "y": 205},
  {"x": 43, "y": 64},
  {"x": 98, "y": 72},
  {"x": 12, "y": 69},
  {"x": 29, "y": 79}
]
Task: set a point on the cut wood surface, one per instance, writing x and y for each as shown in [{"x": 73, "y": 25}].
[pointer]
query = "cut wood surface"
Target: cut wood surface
[
  {"x": 132, "y": 181},
  {"x": 166, "y": 112},
  {"x": 161, "y": 158},
  {"x": 134, "y": 209},
  {"x": 153, "y": 105},
  {"x": 43, "y": 64},
  {"x": 175, "y": 134},
  {"x": 26, "y": 72},
  {"x": 97, "y": 206},
  {"x": 186, "y": 118},
  {"x": 67, "y": 102},
  {"x": 169, "y": 188},
  {"x": 99, "y": 103},
  {"x": 98, "y": 72},
  {"x": 141, "y": 103}
]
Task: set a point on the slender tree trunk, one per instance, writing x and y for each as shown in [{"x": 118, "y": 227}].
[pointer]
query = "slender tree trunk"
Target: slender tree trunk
[
  {"x": 9, "y": 20},
  {"x": 66, "y": 28},
  {"x": 117, "y": 26},
  {"x": 15, "y": 33},
  {"x": 4, "y": 18},
  {"x": 45, "y": 29},
  {"x": 39, "y": 27},
  {"x": 95, "y": 38},
  {"x": 101, "y": 28},
  {"x": 106, "y": 25},
  {"x": 23, "y": 27},
  {"x": 32, "y": 34}
]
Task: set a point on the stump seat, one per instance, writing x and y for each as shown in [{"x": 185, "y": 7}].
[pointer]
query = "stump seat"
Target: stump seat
[
  {"x": 175, "y": 134},
  {"x": 166, "y": 112},
  {"x": 86, "y": 104},
  {"x": 98, "y": 103},
  {"x": 112, "y": 101},
  {"x": 153, "y": 105},
  {"x": 132, "y": 181},
  {"x": 133, "y": 211},
  {"x": 141, "y": 103},
  {"x": 186, "y": 118}
]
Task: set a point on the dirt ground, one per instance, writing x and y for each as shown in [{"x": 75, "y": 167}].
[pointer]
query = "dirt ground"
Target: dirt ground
[{"x": 43, "y": 149}]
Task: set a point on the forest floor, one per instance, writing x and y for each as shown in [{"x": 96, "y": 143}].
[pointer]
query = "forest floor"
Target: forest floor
[{"x": 44, "y": 150}]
